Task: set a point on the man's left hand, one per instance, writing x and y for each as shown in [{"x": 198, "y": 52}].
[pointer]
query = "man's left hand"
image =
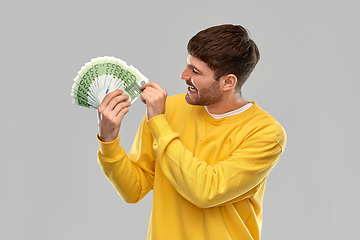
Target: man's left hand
[{"x": 154, "y": 97}]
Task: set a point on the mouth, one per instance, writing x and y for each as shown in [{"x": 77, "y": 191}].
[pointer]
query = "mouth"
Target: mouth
[{"x": 191, "y": 88}]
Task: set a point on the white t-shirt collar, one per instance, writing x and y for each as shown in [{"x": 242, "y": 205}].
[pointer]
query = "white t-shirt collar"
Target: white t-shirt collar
[{"x": 231, "y": 113}]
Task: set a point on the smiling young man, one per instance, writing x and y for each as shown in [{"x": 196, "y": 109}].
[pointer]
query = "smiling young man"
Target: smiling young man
[{"x": 205, "y": 154}]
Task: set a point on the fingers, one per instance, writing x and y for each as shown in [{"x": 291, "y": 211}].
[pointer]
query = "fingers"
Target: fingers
[
  {"x": 111, "y": 95},
  {"x": 112, "y": 99},
  {"x": 108, "y": 98},
  {"x": 152, "y": 92},
  {"x": 154, "y": 97},
  {"x": 115, "y": 110},
  {"x": 122, "y": 113},
  {"x": 153, "y": 85},
  {"x": 110, "y": 114},
  {"x": 114, "y": 107},
  {"x": 117, "y": 103}
]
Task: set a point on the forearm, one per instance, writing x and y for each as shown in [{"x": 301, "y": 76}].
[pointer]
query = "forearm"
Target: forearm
[{"x": 130, "y": 181}]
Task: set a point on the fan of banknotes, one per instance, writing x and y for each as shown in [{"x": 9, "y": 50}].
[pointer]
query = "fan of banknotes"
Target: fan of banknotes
[{"x": 103, "y": 75}]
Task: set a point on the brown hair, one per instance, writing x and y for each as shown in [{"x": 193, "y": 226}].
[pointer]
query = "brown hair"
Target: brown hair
[{"x": 226, "y": 49}]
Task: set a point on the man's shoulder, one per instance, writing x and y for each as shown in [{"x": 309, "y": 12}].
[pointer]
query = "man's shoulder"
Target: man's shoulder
[
  {"x": 177, "y": 97},
  {"x": 266, "y": 125},
  {"x": 177, "y": 106},
  {"x": 177, "y": 100}
]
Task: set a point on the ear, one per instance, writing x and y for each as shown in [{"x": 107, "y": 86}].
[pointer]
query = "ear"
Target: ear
[{"x": 229, "y": 82}]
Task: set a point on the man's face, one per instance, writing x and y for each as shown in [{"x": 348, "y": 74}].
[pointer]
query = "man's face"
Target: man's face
[{"x": 203, "y": 89}]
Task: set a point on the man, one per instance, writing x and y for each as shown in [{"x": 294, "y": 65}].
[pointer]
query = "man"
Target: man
[{"x": 205, "y": 154}]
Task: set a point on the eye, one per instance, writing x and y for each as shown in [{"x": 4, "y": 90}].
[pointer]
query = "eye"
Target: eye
[{"x": 195, "y": 72}]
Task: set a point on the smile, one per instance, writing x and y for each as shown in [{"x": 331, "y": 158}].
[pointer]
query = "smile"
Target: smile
[{"x": 192, "y": 88}]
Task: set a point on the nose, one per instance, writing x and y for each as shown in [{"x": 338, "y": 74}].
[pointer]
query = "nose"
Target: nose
[{"x": 185, "y": 75}]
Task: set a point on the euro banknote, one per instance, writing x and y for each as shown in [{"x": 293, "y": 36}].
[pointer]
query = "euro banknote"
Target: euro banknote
[{"x": 103, "y": 75}]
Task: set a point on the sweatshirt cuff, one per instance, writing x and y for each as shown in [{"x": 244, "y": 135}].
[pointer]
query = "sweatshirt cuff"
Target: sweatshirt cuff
[
  {"x": 159, "y": 126},
  {"x": 110, "y": 150}
]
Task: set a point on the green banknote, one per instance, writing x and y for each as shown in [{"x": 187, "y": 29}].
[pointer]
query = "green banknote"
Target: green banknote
[{"x": 103, "y": 75}]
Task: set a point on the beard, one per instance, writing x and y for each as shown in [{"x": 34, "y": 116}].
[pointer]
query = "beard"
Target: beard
[{"x": 205, "y": 96}]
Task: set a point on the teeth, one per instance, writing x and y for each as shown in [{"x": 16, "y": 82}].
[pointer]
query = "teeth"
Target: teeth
[{"x": 192, "y": 89}]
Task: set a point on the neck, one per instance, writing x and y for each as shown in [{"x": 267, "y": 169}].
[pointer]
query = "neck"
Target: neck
[{"x": 227, "y": 104}]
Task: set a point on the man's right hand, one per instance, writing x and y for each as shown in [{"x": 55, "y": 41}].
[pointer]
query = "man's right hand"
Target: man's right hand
[{"x": 110, "y": 114}]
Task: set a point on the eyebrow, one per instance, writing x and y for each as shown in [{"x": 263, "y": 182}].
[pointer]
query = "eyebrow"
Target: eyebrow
[{"x": 193, "y": 67}]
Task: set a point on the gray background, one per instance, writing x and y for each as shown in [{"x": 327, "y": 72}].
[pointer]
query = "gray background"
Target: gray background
[{"x": 51, "y": 185}]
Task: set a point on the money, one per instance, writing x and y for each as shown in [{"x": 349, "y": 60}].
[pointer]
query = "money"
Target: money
[{"x": 103, "y": 75}]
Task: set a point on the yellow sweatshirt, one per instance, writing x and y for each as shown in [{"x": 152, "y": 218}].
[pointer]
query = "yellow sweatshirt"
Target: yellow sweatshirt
[{"x": 207, "y": 175}]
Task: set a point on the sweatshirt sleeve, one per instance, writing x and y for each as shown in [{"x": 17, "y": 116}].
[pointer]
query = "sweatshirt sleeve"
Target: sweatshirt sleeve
[
  {"x": 131, "y": 174},
  {"x": 234, "y": 179}
]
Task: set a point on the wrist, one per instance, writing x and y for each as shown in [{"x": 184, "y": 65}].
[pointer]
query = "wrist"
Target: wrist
[
  {"x": 111, "y": 150},
  {"x": 105, "y": 138}
]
